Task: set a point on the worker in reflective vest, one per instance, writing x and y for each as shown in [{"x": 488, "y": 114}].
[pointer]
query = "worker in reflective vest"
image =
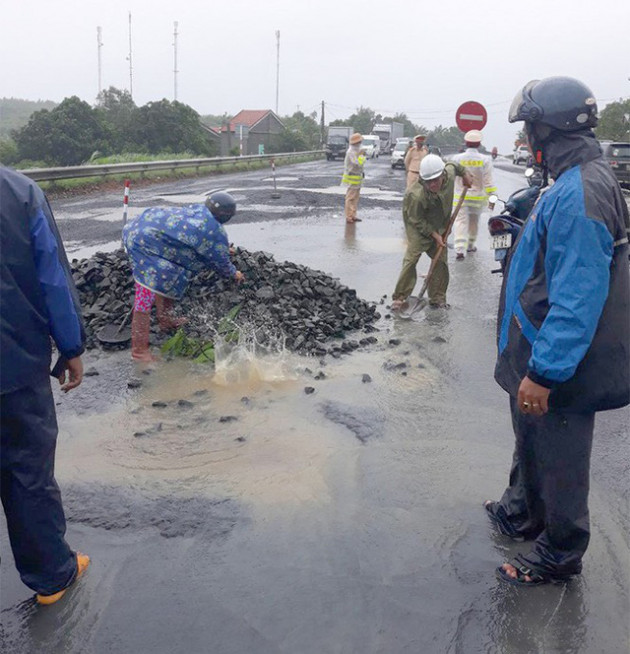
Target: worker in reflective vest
[
  {"x": 480, "y": 167},
  {"x": 353, "y": 177}
]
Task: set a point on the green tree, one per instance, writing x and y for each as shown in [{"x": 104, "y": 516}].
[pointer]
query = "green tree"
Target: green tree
[
  {"x": 117, "y": 109},
  {"x": 304, "y": 127},
  {"x": 215, "y": 120},
  {"x": 410, "y": 128},
  {"x": 445, "y": 136},
  {"x": 166, "y": 126},
  {"x": 362, "y": 121},
  {"x": 289, "y": 140},
  {"x": 8, "y": 152},
  {"x": 614, "y": 121},
  {"x": 66, "y": 136},
  {"x": 14, "y": 113}
]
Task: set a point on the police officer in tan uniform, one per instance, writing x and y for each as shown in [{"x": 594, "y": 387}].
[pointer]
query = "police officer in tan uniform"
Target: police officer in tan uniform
[
  {"x": 353, "y": 176},
  {"x": 414, "y": 156}
]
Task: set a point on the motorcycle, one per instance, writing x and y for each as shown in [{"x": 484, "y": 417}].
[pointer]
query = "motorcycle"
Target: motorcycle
[{"x": 505, "y": 227}]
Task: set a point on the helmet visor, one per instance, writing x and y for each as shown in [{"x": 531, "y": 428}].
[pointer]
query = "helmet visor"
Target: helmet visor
[{"x": 523, "y": 107}]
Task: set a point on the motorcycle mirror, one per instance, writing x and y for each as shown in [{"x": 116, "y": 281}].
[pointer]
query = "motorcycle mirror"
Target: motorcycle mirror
[{"x": 529, "y": 172}]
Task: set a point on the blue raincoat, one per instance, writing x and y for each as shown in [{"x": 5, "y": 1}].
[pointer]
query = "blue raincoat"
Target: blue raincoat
[{"x": 168, "y": 245}]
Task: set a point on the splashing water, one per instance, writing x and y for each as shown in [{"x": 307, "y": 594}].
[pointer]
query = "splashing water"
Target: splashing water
[{"x": 258, "y": 355}]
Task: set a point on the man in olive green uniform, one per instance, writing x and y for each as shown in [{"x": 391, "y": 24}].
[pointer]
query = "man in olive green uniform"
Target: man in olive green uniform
[{"x": 426, "y": 211}]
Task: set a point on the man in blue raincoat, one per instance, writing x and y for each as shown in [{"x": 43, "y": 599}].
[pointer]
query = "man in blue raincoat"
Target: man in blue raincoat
[
  {"x": 38, "y": 301},
  {"x": 563, "y": 332},
  {"x": 167, "y": 246}
]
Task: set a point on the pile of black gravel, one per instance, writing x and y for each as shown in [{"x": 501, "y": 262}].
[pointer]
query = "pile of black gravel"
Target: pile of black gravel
[{"x": 307, "y": 307}]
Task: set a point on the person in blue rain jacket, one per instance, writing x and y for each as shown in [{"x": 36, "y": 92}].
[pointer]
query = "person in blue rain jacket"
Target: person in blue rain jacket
[
  {"x": 167, "y": 247},
  {"x": 563, "y": 332},
  {"x": 38, "y": 302}
]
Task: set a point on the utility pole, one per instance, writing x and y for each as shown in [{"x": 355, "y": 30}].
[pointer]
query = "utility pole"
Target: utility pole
[
  {"x": 175, "y": 71},
  {"x": 322, "y": 127},
  {"x": 130, "y": 63},
  {"x": 277, "y": 67},
  {"x": 99, "y": 42}
]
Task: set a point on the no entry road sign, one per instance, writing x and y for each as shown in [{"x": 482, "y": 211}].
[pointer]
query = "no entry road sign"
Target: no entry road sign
[{"x": 471, "y": 115}]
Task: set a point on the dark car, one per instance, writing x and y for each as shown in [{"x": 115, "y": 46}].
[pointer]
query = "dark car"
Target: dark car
[
  {"x": 618, "y": 156},
  {"x": 336, "y": 147}
]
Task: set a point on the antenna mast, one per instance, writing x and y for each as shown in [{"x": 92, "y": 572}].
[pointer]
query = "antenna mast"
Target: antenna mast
[
  {"x": 175, "y": 71},
  {"x": 99, "y": 42},
  {"x": 130, "y": 63},
  {"x": 277, "y": 67}
]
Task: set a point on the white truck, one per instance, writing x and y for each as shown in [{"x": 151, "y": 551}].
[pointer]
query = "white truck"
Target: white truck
[{"x": 388, "y": 133}]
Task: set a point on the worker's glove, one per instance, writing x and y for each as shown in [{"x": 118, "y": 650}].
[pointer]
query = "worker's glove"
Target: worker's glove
[{"x": 361, "y": 160}]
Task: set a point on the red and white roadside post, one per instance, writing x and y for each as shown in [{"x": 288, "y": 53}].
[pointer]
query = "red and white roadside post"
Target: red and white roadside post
[{"x": 125, "y": 203}]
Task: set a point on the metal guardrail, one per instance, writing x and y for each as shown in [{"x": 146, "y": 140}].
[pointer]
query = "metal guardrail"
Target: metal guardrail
[{"x": 73, "y": 172}]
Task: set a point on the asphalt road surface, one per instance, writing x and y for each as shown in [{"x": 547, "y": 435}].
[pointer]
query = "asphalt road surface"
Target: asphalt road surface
[{"x": 256, "y": 518}]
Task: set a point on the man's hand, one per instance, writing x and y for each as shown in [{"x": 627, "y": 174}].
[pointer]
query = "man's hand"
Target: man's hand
[
  {"x": 533, "y": 398},
  {"x": 467, "y": 179},
  {"x": 75, "y": 374},
  {"x": 437, "y": 237},
  {"x": 239, "y": 277}
]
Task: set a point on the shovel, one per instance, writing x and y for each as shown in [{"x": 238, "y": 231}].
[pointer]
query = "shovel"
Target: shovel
[
  {"x": 114, "y": 334},
  {"x": 419, "y": 303}
]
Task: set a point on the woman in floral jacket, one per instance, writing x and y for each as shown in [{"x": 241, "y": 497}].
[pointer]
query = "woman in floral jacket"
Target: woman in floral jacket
[{"x": 167, "y": 246}]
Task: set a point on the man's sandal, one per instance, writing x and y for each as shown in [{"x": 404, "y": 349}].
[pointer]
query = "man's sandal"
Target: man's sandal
[{"x": 523, "y": 571}]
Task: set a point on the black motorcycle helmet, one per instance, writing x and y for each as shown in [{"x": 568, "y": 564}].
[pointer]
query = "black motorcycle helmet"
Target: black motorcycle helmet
[
  {"x": 221, "y": 205},
  {"x": 561, "y": 103},
  {"x": 554, "y": 104}
]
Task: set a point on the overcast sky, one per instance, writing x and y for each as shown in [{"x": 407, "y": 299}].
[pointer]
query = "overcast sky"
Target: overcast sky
[{"x": 423, "y": 58}]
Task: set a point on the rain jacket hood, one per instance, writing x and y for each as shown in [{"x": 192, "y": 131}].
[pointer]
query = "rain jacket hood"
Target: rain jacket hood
[{"x": 563, "y": 150}]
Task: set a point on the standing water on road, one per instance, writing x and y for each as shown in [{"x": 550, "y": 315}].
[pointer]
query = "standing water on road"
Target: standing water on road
[{"x": 281, "y": 503}]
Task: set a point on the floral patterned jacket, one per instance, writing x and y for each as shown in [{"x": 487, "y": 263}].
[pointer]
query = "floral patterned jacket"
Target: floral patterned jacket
[{"x": 168, "y": 245}]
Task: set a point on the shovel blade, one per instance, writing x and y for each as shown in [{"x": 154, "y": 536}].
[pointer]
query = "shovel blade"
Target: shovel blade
[
  {"x": 415, "y": 306},
  {"x": 113, "y": 334}
]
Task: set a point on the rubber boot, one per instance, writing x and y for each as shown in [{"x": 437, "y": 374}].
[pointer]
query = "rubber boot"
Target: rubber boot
[
  {"x": 166, "y": 320},
  {"x": 140, "y": 327}
]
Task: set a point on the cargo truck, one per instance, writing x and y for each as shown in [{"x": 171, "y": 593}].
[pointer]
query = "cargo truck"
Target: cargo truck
[
  {"x": 388, "y": 133},
  {"x": 337, "y": 142}
]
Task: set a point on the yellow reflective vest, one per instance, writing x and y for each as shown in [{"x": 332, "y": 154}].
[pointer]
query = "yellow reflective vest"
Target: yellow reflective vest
[
  {"x": 480, "y": 168},
  {"x": 353, "y": 167}
]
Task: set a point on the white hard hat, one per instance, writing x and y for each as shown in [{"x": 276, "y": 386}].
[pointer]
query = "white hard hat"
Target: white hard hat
[
  {"x": 431, "y": 167},
  {"x": 473, "y": 136}
]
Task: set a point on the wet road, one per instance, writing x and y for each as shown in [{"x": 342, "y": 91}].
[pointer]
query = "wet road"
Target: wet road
[{"x": 252, "y": 517}]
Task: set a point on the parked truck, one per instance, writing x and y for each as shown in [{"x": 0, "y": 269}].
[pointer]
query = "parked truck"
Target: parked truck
[
  {"x": 337, "y": 142},
  {"x": 388, "y": 134}
]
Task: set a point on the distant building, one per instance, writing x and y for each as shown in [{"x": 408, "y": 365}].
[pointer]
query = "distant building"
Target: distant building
[{"x": 257, "y": 126}]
